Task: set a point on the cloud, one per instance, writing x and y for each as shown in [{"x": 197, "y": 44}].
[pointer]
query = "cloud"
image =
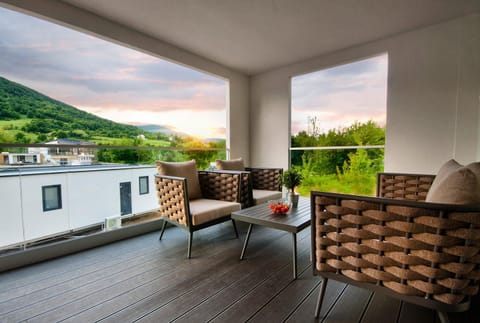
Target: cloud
[
  {"x": 94, "y": 74},
  {"x": 341, "y": 96}
]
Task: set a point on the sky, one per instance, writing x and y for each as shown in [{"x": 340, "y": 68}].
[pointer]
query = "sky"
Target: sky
[
  {"x": 127, "y": 86},
  {"x": 109, "y": 80},
  {"x": 341, "y": 95}
]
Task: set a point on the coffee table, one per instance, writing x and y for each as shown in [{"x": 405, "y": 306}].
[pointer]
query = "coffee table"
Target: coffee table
[{"x": 294, "y": 221}]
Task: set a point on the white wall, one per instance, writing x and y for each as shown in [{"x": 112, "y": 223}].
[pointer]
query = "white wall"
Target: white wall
[
  {"x": 93, "y": 196},
  {"x": 433, "y": 98},
  {"x": 38, "y": 223},
  {"x": 11, "y": 228},
  {"x": 75, "y": 18}
]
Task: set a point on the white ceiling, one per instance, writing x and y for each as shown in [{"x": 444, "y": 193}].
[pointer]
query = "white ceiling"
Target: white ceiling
[{"x": 254, "y": 36}]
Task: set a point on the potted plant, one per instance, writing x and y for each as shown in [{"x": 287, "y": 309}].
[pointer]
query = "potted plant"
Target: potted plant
[{"x": 291, "y": 178}]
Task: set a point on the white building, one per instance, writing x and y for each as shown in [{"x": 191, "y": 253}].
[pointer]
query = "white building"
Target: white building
[
  {"x": 39, "y": 202},
  {"x": 30, "y": 158}
]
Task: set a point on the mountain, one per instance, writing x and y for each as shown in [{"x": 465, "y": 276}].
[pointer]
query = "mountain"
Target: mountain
[
  {"x": 49, "y": 116},
  {"x": 169, "y": 130}
]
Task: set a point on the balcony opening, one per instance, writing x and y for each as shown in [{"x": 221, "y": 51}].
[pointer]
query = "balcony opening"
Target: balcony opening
[
  {"x": 338, "y": 120},
  {"x": 93, "y": 116}
]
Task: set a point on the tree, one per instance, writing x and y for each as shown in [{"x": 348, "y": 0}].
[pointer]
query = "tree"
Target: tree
[
  {"x": 324, "y": 162},
  {"x": 21, "y": 138}
]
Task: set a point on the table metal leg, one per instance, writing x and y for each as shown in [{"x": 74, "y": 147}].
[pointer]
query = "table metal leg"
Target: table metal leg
[
  {"x": 246, "y": 241},
  {"x": 294, "y": 247}
]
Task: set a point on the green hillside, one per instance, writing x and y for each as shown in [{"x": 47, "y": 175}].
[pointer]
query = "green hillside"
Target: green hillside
[{"x": 29, "y": 116}]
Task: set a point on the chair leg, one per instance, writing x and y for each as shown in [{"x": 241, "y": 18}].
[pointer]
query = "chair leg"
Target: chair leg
[
  {"x": 235, "y": 228},
  {"x": 323, "y": 286},
  {"x": 443, "y": 316},
  {"x": 163, "y": 229},
  {"x": 189, "y": 250}
]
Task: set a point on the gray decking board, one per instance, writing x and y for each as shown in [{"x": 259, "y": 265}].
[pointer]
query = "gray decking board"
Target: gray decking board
[
  {"x": 73, "y": 285},
  {"x": 247, "y": 307},
  {"x": 215, "y": 284},
  {"x": 126, "y": 293},
  {"x": 223, "y": 286},
  {"x": 350, "y": 306},
  {"x": 218, "y": 268},
  {"x": 48, "y": 269},
  {"x": 382, "y": 309},
  {"x": 305, "y": 312},
  {"x": 246, "y": 277},
  {"x": 285, "y": 303},
  {"x": 411, "y": 313}
]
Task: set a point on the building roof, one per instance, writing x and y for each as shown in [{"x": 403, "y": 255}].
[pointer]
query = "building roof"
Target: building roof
[
  {"x": 64, "y": 141},
  {"x": 40, "y": 170}
]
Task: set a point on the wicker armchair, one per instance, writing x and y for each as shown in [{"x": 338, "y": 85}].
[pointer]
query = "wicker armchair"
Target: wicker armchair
[
  {"x": 258, "y": 184},
  {"x": 419, "y": 252},
  {"x": 220, "y": 194}
]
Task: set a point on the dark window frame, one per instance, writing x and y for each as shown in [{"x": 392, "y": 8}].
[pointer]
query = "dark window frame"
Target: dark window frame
[
  {"x": 140, "y": 185},
  {"x": 59, "y": 197}
]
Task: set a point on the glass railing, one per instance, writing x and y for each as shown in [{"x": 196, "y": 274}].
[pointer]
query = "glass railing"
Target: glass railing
[{"x": 48, "y": 196}]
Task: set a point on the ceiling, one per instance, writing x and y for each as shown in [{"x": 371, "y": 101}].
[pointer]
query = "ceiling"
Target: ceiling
[{"x": 254, "y": 36}]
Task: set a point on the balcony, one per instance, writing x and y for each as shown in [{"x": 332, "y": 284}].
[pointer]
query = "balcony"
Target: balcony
[{"x": 432, "y": 115}]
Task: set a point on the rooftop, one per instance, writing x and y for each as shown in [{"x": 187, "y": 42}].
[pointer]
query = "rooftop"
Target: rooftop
[{"x": 35, "y": 170}]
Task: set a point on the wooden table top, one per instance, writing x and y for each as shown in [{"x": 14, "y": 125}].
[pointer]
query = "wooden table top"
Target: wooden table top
[{"x": 295, "y": 220}]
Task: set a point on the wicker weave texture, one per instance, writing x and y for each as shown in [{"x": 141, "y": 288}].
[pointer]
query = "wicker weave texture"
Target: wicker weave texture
[
  {"x": 412, "y": 250},
  {"x": 171, "y": 199},
  {"x": 246, "y": 197},
  {"x": 266, "y": 178},
  {"x": 220, "y": 186},
  {"x": 404, "y": 187}
]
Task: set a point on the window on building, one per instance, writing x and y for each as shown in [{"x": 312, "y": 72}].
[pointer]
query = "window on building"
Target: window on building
[
  {"x": 143, "y": 185},
  {"x": 51, "y": 197}
]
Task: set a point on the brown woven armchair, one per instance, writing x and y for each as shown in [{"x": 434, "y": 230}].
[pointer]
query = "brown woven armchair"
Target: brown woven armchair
[
  {"x": 219, "y": 197},
  {"x": 259, "y": 185},
  {"x": 419, "y": 252}
]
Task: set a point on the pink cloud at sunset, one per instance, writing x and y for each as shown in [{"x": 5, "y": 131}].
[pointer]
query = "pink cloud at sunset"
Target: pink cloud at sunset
[
  {"x": 342, "y": 95},
  {"x": 109, "y": 80}
]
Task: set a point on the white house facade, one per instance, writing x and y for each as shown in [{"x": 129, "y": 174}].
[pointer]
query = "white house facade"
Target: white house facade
[{"x": 39, "y": 202}]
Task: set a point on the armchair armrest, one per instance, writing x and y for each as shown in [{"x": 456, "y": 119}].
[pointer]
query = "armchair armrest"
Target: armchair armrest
[
  {"x": 266, "y": 178},
  {"x": 173, "y": 199},
  {"x": 223, "y": 185},
  {"x": 426, "y": 252}
]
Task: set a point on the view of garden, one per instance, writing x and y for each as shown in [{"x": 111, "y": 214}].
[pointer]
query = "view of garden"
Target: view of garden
[{"x": 340, "y": 170}]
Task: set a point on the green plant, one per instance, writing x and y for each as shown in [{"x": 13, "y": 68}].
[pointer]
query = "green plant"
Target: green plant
[{"x": 291, "y": 178}]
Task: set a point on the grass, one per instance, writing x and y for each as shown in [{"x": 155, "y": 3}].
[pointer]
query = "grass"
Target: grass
[
  {"x": 363, "y": 184},
  {"x": 15, "y": 123},
  {"x": 9, "y": 128}
]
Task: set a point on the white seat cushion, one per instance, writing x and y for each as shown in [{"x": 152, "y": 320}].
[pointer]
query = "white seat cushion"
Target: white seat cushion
[
  {"x": 263, "y": 196},
  {"x": 205, "y": 210}
]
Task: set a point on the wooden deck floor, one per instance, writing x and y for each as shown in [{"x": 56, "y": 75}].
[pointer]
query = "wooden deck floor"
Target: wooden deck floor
[{"x": 146, "y": 280}]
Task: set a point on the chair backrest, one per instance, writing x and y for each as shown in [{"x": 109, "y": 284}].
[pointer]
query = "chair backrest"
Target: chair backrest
[
  {"x": 266, "y": 178},
  {"x": 172, "y": 195},
  {"x": 412, "y": 187}
]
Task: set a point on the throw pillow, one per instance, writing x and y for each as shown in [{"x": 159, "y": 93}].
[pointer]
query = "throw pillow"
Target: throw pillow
[
  {"x": 233, "y": 164},
  {"x": 183, "y": 169},
  {"x": 456, "y": 184}
]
